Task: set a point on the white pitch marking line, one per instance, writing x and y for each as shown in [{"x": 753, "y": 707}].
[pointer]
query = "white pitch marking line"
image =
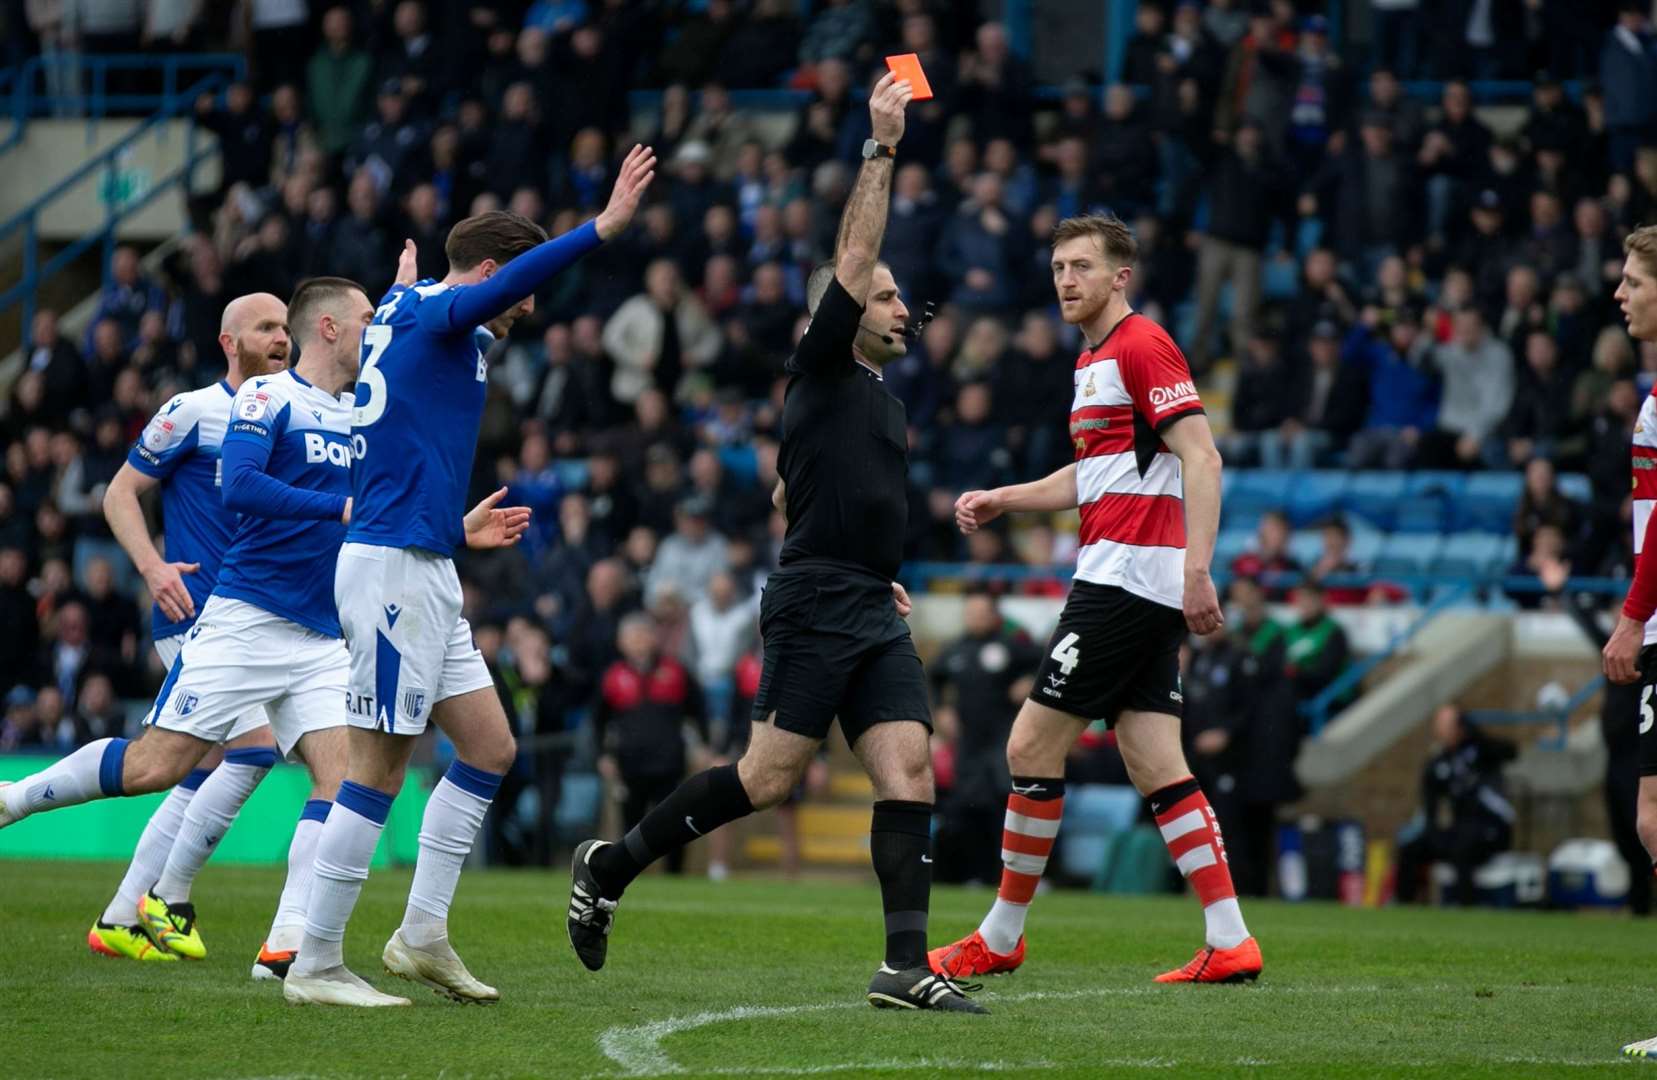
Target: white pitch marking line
[{"x": 637, "y": 1048}]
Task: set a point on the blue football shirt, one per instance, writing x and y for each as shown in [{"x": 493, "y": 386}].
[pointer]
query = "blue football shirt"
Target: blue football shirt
[
  {"x": 287, "y": 471},
  {"x": 420, "y": 398},
  {"x": 180, "y": 448}
]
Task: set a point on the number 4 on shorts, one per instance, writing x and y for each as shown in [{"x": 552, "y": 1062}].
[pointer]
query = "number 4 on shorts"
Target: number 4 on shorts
[{"x": 1065, "y": 653}]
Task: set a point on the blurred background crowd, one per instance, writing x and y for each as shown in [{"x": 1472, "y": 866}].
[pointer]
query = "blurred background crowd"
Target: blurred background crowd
[{"x": 1363, "y": 275}]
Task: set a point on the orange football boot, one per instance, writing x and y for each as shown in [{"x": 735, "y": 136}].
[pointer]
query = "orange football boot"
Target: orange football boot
[
  {"x": 1211, "y": 965},
  {"x": 971, "y": 957}
]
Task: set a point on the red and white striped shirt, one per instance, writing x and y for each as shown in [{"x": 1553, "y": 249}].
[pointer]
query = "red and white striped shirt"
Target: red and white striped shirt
[
  {"x": 1642, "y": 592},
  {"x": 1129, "y": 388}
]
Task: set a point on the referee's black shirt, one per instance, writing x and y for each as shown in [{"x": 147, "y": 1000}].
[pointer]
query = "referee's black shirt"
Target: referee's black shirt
[{"x": 845, "y": 451}]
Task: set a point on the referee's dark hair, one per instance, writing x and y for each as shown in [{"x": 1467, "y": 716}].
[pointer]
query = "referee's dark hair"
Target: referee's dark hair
[
  {"x": 500, "y": 235},
  {"x": 312, "y": 294},
  {"x": 818, "y": 282},
  {"x": 1115, "y": 239}
]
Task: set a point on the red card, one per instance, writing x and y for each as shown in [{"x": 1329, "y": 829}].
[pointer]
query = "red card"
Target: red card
[{"x": 908, "y": 66}]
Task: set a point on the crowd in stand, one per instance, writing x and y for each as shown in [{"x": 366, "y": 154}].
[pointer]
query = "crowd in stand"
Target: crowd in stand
[{"x": 1401, "y": 283}]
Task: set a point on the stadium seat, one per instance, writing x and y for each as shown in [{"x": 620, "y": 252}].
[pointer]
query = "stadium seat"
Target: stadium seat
[
  {"x": 1373, "y": 496},
  {"x": 1366, "y": 546},
  {"x": 1316, "y": 494},
  {"x": 1488, "y": 502},
  {"x": 1447, "y": 485},
  {"x": 1470, "y": 554},
  {"x": 579, "y": 802},
  {"x": 1271, "y": 483},
  {"x": 1418, "y": 515},
  {"x": 1408, "y": 553},
  {"x": 571, "y": 473},
  {"x": 1231, "y": 543},
  {"x": 1305, "y": 545}
]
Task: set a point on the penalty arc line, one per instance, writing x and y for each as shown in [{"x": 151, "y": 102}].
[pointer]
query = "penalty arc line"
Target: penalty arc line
[{"x": 638, "y": 1051}]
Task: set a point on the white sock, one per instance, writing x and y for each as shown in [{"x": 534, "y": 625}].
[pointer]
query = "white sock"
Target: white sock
[
  {"x": 1223, "y": 921},
  {"x": 1004, "y": 925},
  {"x": 92, "y": 772},
  {"x": 288, "y": 929},
  {"x": 209, "y": 817},
  {"x": 150, "y": 856},
  {"x": 454, "y": 814},
  {"x": 344, "y": 850}
]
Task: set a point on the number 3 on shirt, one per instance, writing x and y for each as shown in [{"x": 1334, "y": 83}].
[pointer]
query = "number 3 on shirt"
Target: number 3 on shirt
[
  {"x": 375, "y": 337},
  {"x": 1647, "y": 716}
]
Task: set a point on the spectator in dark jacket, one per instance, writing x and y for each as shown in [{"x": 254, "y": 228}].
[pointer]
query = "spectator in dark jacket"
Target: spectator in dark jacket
[
  {"x": 1367, "y": 197},
  {"x": 1465, "y": 818},
  {"x": 125, "y": 298},
  {"x": 62, "y": 370},
  {"x": 1628, "y": 72},
  {"x": 1540, "y": 422},
  {"x": 646, "y": 702},
  {"x": 1325, "y": 404},
  {"x": 1244, "y": 185},
  {"x": 244, "y": 132},
  {"x": 1124, "y": 162},
  {"x": 996, "y": 88},
  {"x": 1259, "y": 403},
  {"x": 1315, "y": 648},
  {"x": 976, "y": 249}
]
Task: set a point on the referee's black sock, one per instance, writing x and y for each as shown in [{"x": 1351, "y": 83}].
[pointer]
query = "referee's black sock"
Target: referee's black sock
[
  {"x": 697, "y": 807},
  {"x": 900, "y": 840}
]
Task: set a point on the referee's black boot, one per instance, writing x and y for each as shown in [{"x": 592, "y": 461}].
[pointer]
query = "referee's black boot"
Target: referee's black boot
[
  {"x": 920, "y": 987},
  {"x": 590, "y": 915}
]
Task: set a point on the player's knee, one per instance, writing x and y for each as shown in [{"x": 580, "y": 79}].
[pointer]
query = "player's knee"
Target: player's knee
[
  {"x": 1027, "y": 755},
  {"x": 767, "y": 785},
  {"x": 908, "y": 778},
  {"x": 494, "y": 755}
]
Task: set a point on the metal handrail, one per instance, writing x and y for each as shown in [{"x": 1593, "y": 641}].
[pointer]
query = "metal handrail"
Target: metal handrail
[
  {"x": 27, "y": 219},
  {"x": 24, "y": 101},
  {"x": 1560, "y": 716}
]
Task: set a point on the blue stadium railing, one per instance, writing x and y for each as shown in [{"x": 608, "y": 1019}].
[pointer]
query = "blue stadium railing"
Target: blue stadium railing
[
  {"x": 26, "y": 91},
  {"x": 27, "y": 220}
]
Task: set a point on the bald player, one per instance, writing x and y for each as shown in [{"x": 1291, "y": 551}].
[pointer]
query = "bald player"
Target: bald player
[{"x": 179, "y": 454}]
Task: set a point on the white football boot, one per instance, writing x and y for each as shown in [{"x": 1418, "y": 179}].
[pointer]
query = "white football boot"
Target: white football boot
[
  {"x": 335, "y": 986},
  {"x": 436, "y": 966},
  {"x": 6, "y": 816}
]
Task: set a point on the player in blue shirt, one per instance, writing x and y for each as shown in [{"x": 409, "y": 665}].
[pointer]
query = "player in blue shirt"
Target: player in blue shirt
[
  {"x": 179, "y": 453},
  {"x": 419, "y": 404}
]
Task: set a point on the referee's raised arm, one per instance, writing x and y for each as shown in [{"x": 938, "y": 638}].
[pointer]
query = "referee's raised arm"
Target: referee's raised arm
[{"x": 857, "y": 247}]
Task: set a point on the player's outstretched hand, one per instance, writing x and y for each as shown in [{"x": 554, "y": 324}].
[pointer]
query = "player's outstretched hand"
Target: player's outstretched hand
[
  {"x": 166, "y": 585},
  {"x": 900, "y": 597},
  {"x": 1202, "y": 604},
  {"x": 488, "y": 526},
  {"x": 635, "y": 176},
  {"x": 408, "y": 266},
  {"x": 975, "y": 509},
  {"x": 886, "y": 104}
]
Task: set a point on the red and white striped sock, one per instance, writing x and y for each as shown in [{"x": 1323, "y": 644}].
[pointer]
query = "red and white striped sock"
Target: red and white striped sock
[
  {"x": 1192, "y": 834},
  {"x": 1033, "y": 812}
]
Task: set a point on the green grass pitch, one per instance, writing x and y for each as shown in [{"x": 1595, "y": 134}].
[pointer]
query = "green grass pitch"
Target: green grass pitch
[{"x": 763, "y": 978}]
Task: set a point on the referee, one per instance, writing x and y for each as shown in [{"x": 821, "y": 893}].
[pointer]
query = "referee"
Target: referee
[{"x": 831, "y": 617}]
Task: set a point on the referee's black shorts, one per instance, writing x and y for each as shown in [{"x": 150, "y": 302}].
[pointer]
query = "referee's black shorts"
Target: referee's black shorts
[
  {"x": 835, "y": 646},
  {"x": 1646, "y": 710},
  {"x": 1112, "y": 651}
]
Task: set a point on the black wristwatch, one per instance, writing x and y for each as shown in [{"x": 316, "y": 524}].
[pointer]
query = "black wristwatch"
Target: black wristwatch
[{"x": 873, "y": 149}]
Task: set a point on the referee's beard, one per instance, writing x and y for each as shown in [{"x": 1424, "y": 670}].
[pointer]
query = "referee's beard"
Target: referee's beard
[{"x": 872, "y": 348}]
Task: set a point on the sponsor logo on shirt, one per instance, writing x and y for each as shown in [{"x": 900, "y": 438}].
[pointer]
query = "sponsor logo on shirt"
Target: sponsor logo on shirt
[
  {"x": 158, "y": 433},
  {"x": 1164, "y": 398},
  {"x": 319, "y": 450}
]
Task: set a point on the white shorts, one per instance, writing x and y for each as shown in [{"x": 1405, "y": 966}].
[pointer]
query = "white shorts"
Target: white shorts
[
  {"x": 410, "y": 646},
  {"x": 250, "y": 721},
  {"x": 237, "y": 657}
]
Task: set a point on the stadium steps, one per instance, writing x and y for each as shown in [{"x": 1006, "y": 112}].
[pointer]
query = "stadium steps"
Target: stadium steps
[
  {"x": 1447, "y": 657},
  {"x": 831, "y": 834}
]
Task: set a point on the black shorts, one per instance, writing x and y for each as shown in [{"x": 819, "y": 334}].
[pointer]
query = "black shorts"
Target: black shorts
[
  {"x": 1646, "y": 710},
  {"x": 835, "y": 646},
  {"x": 1112, "y": 651}
]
